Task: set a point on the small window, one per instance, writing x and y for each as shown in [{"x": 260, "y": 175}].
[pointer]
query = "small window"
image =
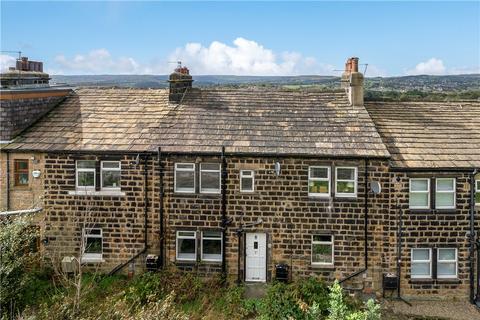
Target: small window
[
  {"x": 477, "y": 192},
  {"x": 210, "y": 178},
  {"x": 185, "y": 177},
  {"x": 346, "y": 182},
  {"x": 419, "y": 193},
  {"x": 92, "y": 244},
  {"x": 447, "y": 263},
  {"x": 21, "y": 172},
  {"x": 111, "y": 172},
  {"x": 421, "y": 263},
  {"x": 445, "y": 193},
  {"x": 322, "y": 249},
  {"x": 319, "y": 181},
  {"x": 86, "y": 174},
  {"x": 247, "y": 181},
  {"x": 211, "y": 246},
  {"x": 187, "y": 245}
]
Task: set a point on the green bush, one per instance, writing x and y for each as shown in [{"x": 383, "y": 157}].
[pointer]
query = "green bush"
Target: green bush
[{"x": 280, "y": 303}]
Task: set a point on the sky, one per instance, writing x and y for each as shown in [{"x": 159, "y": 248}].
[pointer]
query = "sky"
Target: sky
[{"x": 394, "y": 38}]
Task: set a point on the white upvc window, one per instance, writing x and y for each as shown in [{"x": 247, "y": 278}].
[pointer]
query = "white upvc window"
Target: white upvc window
[
  {"x": 186, "y": 245},
  {"x": 322, "y": 249},
  {"x": 447, "y": 263},
  {"x": 319, "y": 181},
  {"x": 445, "y": 193},
  {"x": 421, "y": 263},
  {"x": 419, "y": 196},
  {"x": 210, "y": 177},
  {"x": 184, "y": 179},
  {"x": 346, "y": 181},
  {"x": 110, "y": 175},
  {"x": 85, "y": 174},
  {"x": 212, "y": 246},
  {"x": 247, "y": 181},
  {"x": 477, "y": 192},
  {"x": 92, "y": 250}
]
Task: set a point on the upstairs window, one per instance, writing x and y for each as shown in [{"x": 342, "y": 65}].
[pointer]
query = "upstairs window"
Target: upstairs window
[
  {"x": 210, "y": 178},
  {"x": 445, "y": 193},
  {"x": 92, "y": 244},
  {"x": 247, "y": 181},
  {"x": 477, "y": 192},
  {"x": 346, "y": 182},
  {"x": 211, "y": 246},
  {"x": 20, "y": 172},
  {"x": 110, "y": 177},
  {"x": 421, "y": 263},
  {"x": 187, "y": 245},
  {"x": 319, "y": 181},
  {"x": 419, "y": 193},
  {"x": 85, "y": 174},
  {"x": 185, "y": 177},
  {"x": 447, "y": 262},
  {"x": 322, "y": 249}
]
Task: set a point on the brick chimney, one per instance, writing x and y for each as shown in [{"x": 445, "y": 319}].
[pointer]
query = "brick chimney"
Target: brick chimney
[
  {"x": 180, "y": 81},
  {"x": 352, "y": 82}
]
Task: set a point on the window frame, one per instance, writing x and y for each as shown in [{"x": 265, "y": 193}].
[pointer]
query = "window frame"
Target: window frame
[
  {"x": 219, "y": 171},
  {"x": 91, "y": 257},
  {"x": 242, "y": 176},
  {"x": 78, "y": 170},
  {"x": 355, "y": 183},
  {"x": 430, "y": 262},
  {"x": 331, "y": 242},
  {"x": 202, "y": 237},
  {"x": 454, "y": 191},
  {"x": 110, "y": 169},
  {"x": 328, "y": 179},
  {"x": 477, "y": 191},
  {"x": 447, "y": 261},
  {"x": 194, "y": 237},
  {"x": 17, "y": 172},
  {"x": 175, "y": 189},
  {"x": 423, "y": 192}
]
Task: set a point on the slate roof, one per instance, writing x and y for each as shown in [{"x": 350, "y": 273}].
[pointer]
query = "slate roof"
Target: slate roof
[
  {"x": 256, "y": 121},
  {"x": 429, "y": 135}
]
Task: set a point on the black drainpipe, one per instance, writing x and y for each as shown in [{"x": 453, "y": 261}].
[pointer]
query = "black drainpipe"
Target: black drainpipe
[
  {"x": 472, "y": 236},
  {"x": 162, "y": 233},
  {"x": 224, "y": 213},
  {"x": 8, "y": 181},
  {"x": 365, "y": 227},
  {"x": 145, "y": 212}
]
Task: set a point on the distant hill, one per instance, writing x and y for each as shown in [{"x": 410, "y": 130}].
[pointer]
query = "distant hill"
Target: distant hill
[{"x": 376, "y": 88}]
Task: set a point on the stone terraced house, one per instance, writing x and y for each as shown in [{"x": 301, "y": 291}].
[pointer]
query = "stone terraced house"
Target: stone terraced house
[{"x": 240, "y": 181}]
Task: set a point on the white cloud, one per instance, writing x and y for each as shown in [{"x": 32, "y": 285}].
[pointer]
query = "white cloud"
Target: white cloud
[
  {"x": 245, "y": 57},
  {"x": 433, "y": 66},
  {"x": 98, "y": 61},
  {"x": 6, "y": 61}
]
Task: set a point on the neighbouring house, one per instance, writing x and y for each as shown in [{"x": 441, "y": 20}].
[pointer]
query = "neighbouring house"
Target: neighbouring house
[{"x": 240, "y": 181}]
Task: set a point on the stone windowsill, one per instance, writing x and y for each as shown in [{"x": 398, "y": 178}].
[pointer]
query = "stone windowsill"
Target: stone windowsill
[
  {"x": 323, "y": 266},
  {"x": 113, "y": 193},
  {"x": 92, "y": 260},
  {"x": 435, "y": 281}
]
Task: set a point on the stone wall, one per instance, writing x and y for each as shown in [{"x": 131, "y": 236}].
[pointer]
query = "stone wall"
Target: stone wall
[{"x": 17, "y": 114}]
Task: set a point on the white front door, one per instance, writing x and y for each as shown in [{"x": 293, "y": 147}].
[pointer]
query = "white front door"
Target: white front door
[{"x": 256, "y": 257}]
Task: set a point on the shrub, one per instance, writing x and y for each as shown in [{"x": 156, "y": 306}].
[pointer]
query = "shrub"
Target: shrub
[{"x": 280, "y": 303}]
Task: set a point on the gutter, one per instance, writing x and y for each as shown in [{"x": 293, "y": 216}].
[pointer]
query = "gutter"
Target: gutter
[
  {"x": 365, "y": 230},
  {"x": 19, "y": 212},
  {"x": 145, "y": 210}
]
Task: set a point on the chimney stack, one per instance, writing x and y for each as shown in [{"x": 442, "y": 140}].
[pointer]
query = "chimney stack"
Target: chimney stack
[
  {"x": 180, "y": 81},
  {"x": 352, "y": 81}
]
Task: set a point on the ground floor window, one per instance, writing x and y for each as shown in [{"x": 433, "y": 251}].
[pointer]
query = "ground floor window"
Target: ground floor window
[
  {"x": 187, "y": 245},
  {"x": 211, "y": 246},
  {"x": 477, "y": 192},
  {"x": 92, "y": 244},
  {"x": 322, "y": 249},
  {"x": 447, "y": 262},
  {"x": 421, "y": 263}
]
